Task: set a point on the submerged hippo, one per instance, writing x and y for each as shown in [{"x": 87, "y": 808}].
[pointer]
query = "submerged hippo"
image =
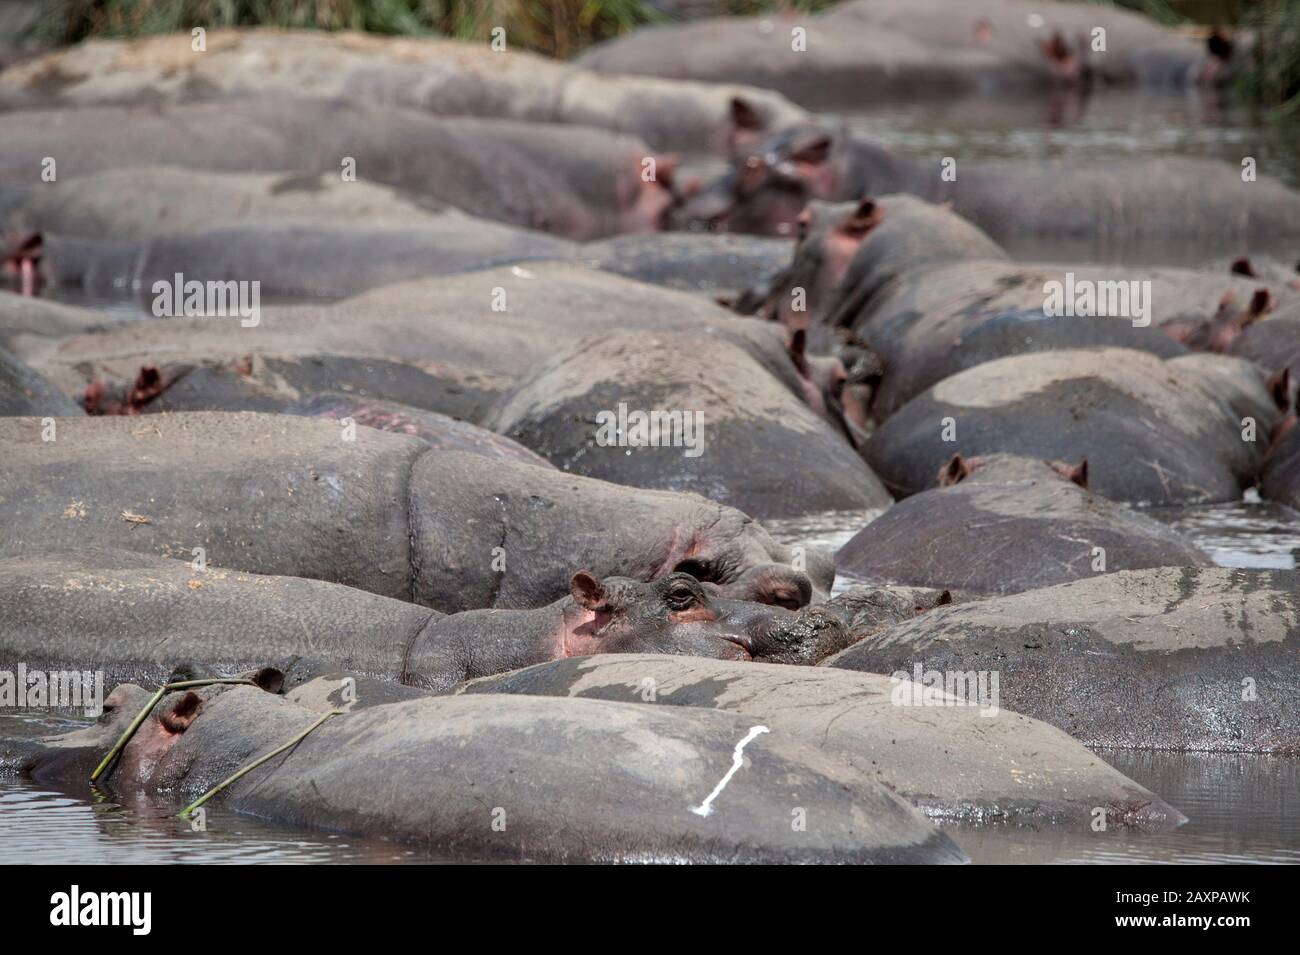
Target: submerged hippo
[
  {"x": 692, "y": 410},
  {"x": 1009, "y": 524},
  {"x": 433, "y": 75},
  {"x": 884, "y": 50},
  {"x": 24, "y": 392},
  {"x": 950, "y": 759},
  {"x": 1187, "y": 658},
  {"x": 1151, "y": 209},
  {"x": 571, "y": 181},
  {"x": 519, "y": 779},
  {"x": 1152, "y": 431},
  {"x": 139, "y": 617},
  {"x": 280, "y": 494},
  {"x": 930, "y": 295}
]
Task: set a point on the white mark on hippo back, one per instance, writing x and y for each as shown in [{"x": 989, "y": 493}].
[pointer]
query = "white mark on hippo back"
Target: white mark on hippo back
[{"x": 737, "y": 760}]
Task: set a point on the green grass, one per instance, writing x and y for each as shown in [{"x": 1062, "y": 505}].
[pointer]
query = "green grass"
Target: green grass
[
  {"x": 557, "y": 27},
  {"x": 1272, "y": 79}
]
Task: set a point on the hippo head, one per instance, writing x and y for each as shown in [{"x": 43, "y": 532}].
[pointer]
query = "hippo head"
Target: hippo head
[
  {"x": 772, "y": 178},
  {"x": 647, "y": 193},
  {"x": 678, "y": 615},
  {"x": 21, "y": 261}
]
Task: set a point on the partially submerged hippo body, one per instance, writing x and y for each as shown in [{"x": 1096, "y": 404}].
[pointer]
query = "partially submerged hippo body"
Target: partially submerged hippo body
[
  {"x": 279, "y": 494},
  {"x": 951, "y": 760},
  {"x": 570, "y": 181},
  {"x": 24, "y": 392},
  {"x": 139, "y": 618},
  {"x": 1188, "y": 658},
  {"x": 1156, "y": 209},
  {"x": 443, "y": 77},
  {"x": 931, "y": 295},
  {"x": 884, "y": 50},
  {"x": 522, "y": 779},
  {"x": 1152, "y": 431},
  {"x": 1010, "y": 524},
  {"x": 503, "y": 321},
  {"x": 690, "y": 410}
]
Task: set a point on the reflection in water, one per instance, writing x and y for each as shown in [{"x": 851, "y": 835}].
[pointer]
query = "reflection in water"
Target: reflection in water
[
  {"x": 1241, "y": 809},
  {"x": 1249, "y": 533}
]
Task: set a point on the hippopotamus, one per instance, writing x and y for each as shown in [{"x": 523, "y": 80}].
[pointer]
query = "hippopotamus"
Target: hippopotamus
[
  {"x": 881, "y": 51},
  {"x": 291, "y": 384},
  {"x": 1152, "y": 431},
  {"x": 931, "y": 295},
  {"x": 298, "y": 234},
  {"x": 22, "y": 316},
  {"x": 433, "y": 75},
  {"x": 505, "y": 779},
  {"x": 1274, "y": 345},
  {"x": 24, "y": 392},
  {"x": 296, "y": 496},
  {"x": 498, "y": 321},
  {"x": 1170, "y": 658},
  {"x": 711, "y": 419},
  {"x": 62, "y": 608},
  {"x": 1156, "y": 210},
  {"x": 945, "y": 758},
  {"x": 1280, "y": 478},
  {"x": 572, "y": 181},
  {"x": 1003, "y": 524}
]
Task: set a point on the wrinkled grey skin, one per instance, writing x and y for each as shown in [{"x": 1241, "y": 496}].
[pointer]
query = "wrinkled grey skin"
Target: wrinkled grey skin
[
  {"x": 570, "y": 181},
  {"x": 24, "y": 392},
  {"x": 1152, "y": 431},
  {"x": 312, "y": 233},
  {"x": 578, "y": 780},
  {"x": 746, "y": 424},
  {"x": 886, "y": 50},
  {"x": 1146, "y": 659},
  {"x": 949, "y": 761},
  {"x": 443, "y": 77},
  {"x": 139, "y": 618},
  {"x": 1280, "y": 479},
  {"x": 280, "y": 494},
  {"x": 447, "y": 320},
  {"x": 416, "y": 399},
  {"x": 1154, "y": 210},
  {"x": 1011, "y": 524},
  {"x": 930, "y": 295}
]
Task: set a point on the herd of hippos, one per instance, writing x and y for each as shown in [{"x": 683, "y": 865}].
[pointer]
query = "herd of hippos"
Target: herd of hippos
[{"x": 379, "y": 491}]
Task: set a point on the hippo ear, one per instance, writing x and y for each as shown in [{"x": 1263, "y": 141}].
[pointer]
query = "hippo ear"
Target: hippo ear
[
  {"x": 1260, "y": 304},
  {"x": 177, "y": 717},
  {"x": 814, "y": 151},
  {"x": 270, "y": 679},
  {"x": 796, "y": 348},
  {"x": 1079, "y": 474},
  {"x": 1243, "y": 266},
  {"x": 587, "y": 590},
  {"x": 955, "y": 471},
  {"x": 865, "y": 216},
  {"x": 1279, "y": 387},
  {"x": 747, "y": 126}
]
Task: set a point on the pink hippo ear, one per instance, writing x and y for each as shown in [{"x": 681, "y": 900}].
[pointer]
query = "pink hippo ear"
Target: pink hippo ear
[
  {"x": 587, "y": 591},
  {"x": 865, "y": 217},
  {"x": 956, "y": 470},
  {"x": 814, "y": 151},
  {"x": 177, "y": 717},
  {"x": 1279, "y": 388},
  {"x": 747, "y": 126},
  {"x": 1077, "y": 473},
  {"x": 1243, "y": 266}
]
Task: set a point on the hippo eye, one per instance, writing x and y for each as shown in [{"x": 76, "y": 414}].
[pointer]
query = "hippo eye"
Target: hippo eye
[{"x": 681, "y": 596}]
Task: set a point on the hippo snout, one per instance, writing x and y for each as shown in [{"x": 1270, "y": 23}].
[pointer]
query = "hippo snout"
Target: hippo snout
[{"x": 802, "y": 638}]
